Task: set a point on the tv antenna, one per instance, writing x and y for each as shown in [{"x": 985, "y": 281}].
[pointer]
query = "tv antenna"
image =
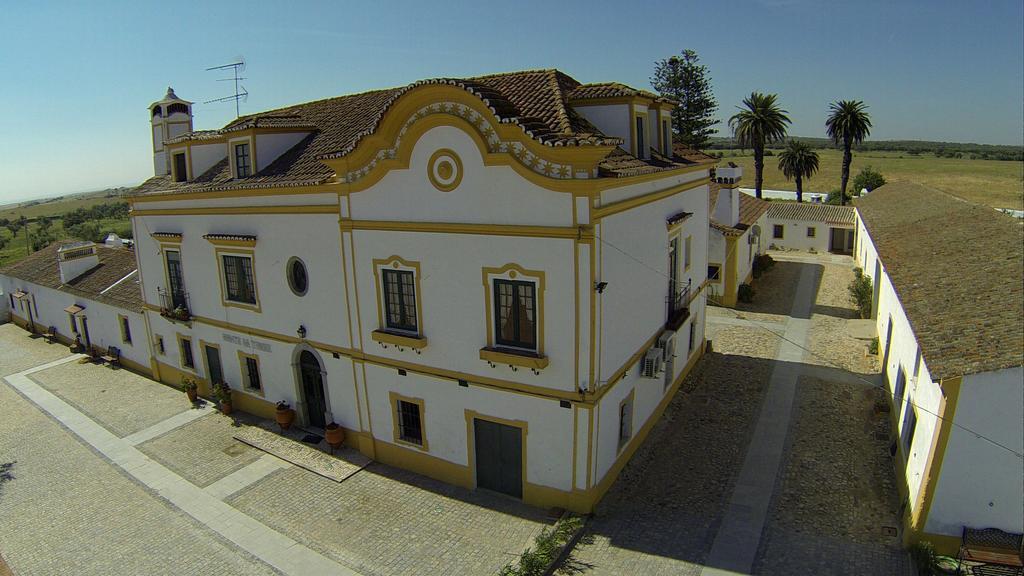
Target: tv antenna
[{"x": 240, "y": 92}]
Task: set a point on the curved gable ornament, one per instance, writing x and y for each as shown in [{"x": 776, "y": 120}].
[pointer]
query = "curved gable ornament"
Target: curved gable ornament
[{"x": 501, "y": 142}]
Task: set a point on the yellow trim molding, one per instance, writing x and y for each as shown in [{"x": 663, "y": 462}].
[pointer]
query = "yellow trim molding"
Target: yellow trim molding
[
  {"x": 414, "y": 342},
  {"x": 504, "y": 357},
  {"x": 567, "y": 232},
  {"x": 616, "y": 207},
  {"x": 197, "y": 211}
]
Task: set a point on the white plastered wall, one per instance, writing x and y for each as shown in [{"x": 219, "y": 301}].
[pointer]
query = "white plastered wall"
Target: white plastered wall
[
  {"x": 270, "y": 147},
  {"x": 980, "y": 483},
  {"x": 612, "y": 119},
  {"x": 795, "y": 234},
  {"x": 104, "y": 326},
  {"x": 311, "y": 237}
]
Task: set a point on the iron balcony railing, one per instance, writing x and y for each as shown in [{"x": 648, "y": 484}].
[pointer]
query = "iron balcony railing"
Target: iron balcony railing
[
  {"x": 678, "y": 305},
  {"x": 174, "y": 304}
]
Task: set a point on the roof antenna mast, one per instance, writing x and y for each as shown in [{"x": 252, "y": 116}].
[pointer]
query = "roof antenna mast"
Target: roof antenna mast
[{"x": 241, "y": 93}]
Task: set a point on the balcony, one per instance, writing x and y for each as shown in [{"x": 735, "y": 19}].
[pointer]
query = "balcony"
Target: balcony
[
  {"x": 174, "y": 305},
  {"x": 678, "y": 305}
]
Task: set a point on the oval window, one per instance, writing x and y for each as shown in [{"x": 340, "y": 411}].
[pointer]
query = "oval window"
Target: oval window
[{"x": 297, "y": 278}]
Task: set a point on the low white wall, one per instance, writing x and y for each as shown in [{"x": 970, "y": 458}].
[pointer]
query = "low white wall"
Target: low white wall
[
  {"x": 104, "y": 325},
  {"x": 795, "y": 234}
]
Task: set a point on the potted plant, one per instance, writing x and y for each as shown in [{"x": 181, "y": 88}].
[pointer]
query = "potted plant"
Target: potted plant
[
  {"x": 222, "y": 392},
  {"x": 191, "y": 387},
  {"x": 284, "y": 415},
  {"x": 334, "y": 435}
]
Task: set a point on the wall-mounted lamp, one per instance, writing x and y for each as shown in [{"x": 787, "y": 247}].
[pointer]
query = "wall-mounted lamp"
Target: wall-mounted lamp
[
  {"x": 600, "y": 286},
  {"x": 301, "y": 332}
]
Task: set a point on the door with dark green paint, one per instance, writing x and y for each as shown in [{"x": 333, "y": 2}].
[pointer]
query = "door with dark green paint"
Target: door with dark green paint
[
  {"x": 499, "y": 457},
  {"x": 216, "y": 373},
  {"x": 313, "y": 390}
]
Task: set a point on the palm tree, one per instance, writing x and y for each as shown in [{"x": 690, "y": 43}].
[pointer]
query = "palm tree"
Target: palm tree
[
  {"x": 761, "y": 122},
  {"x": 848, "y": 123},
  {"x": 797, "y": 161}
]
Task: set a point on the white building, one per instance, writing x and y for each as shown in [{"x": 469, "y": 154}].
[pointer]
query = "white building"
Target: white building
[
  {"x": 949, "y": 301},
  {"x": 810, "y": 227},
  {"x": 81, "y": 292},
  {"x": 497, "y": 281},
  {"x": 735, "y": 240}
]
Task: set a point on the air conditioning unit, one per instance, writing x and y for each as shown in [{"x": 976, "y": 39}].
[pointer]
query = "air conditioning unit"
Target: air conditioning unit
[{"x": 651, "y": 363}]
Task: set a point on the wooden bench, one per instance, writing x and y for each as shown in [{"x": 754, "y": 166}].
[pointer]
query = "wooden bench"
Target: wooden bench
[
  {"x": 113, "y": 356},
  {"x": 50, "y": 334},
  {"x": 997, "y": 552}
]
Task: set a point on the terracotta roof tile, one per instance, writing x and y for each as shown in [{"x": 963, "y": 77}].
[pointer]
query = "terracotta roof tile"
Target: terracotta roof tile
[
  {"x": 611, "y": 90},
  {"x": 958, "y": 269},
  {"x": 814, "y": 212},
  {"x": 98, "y": 283},
  {"x": 534, "y": 100}
]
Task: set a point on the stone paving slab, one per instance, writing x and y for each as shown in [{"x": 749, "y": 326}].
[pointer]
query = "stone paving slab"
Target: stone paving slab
[
  {"x": 389, "y": 522},
  {"x": 338, "y": 468},
  {"x": 202, "y": 451},
  {"x": 66, "y": 510},
  {"x": 19, "y": 351},
  {"x": 119, "y": 399}
]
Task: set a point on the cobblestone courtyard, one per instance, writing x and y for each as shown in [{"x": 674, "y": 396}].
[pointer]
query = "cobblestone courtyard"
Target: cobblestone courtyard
[
  {"x": 834, "y": 495},
  {"x": 72, "y": 504}
]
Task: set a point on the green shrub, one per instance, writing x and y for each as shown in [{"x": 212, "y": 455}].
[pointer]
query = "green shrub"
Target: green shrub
[
  {"x": 547, "y": 546},
  {"x": 762, "y": 264},
  {"x": 745, "y": 293},
  {"x": 924, "y": 557},
  {"x": 861, "y": 293},
  {"x": 873, "y": 346}
]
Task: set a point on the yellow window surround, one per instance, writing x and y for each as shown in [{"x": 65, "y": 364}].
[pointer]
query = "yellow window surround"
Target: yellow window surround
[
  {"x": 494, "y": 354},
  {"x": 246, "y": 384},
  {"x": 394, "y": 398},
  {"x": 383, "y": 335},
  {"x": 220, "y": 253}
]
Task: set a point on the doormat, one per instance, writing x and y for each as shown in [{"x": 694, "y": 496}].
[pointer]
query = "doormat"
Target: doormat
[
  {"x": 344, "y": 463},
  {"x": 312, "y": 439}
]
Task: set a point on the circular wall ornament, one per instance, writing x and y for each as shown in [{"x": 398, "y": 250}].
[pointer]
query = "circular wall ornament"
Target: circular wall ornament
[
  {"x": 444, "y": 169},
  {"x": 298, "y": 278}
]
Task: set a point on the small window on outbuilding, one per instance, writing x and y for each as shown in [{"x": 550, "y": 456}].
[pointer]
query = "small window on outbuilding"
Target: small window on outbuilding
[
  {"x": 811, "y": 231},
  {"x": 777, "y": 231},
  {"x": 714, "y": 273}
]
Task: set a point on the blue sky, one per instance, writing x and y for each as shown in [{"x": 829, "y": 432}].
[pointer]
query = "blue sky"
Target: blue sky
[{"x": 77, "y": 77}]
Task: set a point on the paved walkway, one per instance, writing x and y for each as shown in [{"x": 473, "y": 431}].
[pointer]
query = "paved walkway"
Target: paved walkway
[
  {"x": 272, "y": 547},
  {"x": 770, "y": 459},
  {"x": 735, "y": 547},
  {"x": 113, "y": 474}
]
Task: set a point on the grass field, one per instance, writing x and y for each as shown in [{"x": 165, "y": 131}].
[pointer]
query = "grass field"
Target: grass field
[
  {"x": 56, "y": 206},
  {"x": 996, "y": 183}
]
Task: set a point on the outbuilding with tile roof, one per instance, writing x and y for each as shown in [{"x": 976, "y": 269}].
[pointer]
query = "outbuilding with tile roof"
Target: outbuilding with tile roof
[{"x": 948, "y": 302}]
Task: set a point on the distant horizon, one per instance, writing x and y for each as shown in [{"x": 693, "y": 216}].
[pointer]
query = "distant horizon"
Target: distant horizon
[
  {"x": 79, "y": 77},
  {"x": 9, "y": 203}
]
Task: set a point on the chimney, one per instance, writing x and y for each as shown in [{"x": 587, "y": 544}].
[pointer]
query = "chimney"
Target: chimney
[
  {"x": 76, "y": 259},
  {"x": 169, "y": 118},
  {"x": 727, "y": 207}
]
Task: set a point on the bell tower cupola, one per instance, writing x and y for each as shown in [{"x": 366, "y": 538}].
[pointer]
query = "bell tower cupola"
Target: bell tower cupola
[{"x": 170, "y": 117}]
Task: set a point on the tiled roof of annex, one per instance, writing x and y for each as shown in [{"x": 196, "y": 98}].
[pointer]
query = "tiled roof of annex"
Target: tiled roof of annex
[
  {"x": 535, "y": 100},
  {"x": 958, "y": 270},
  {"x": 813, "y": 212},
  {"x": 114, "y": 281}
]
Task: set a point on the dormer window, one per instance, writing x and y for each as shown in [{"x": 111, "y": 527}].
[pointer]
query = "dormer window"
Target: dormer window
[
  {"x": 666, "y": 138},
  {"x": 641, "y": 143},
  {"x": 180, "y": 167},
  {"x": 243, "y": 165}
]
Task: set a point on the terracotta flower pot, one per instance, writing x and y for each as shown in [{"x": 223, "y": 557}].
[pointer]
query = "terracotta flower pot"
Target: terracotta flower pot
[
  {"x": 225, "y": 407},
  {"x": 192, "y": 395},
  {"x": 334, "y": 435},
  {"x": 285, "y": 417}
]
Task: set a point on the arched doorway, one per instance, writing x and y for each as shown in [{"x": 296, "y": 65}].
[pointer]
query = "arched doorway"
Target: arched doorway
[{"x": 312, "y": 380}]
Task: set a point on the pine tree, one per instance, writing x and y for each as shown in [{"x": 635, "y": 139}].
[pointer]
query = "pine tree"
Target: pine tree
[{"x": 687, "y": 81}]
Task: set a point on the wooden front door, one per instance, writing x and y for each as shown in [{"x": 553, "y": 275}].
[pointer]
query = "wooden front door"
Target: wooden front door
[
  {"x": 313, "y": 390},
  {"x": 213, "y": 366},
  {"x": 499, "y": 457}
]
